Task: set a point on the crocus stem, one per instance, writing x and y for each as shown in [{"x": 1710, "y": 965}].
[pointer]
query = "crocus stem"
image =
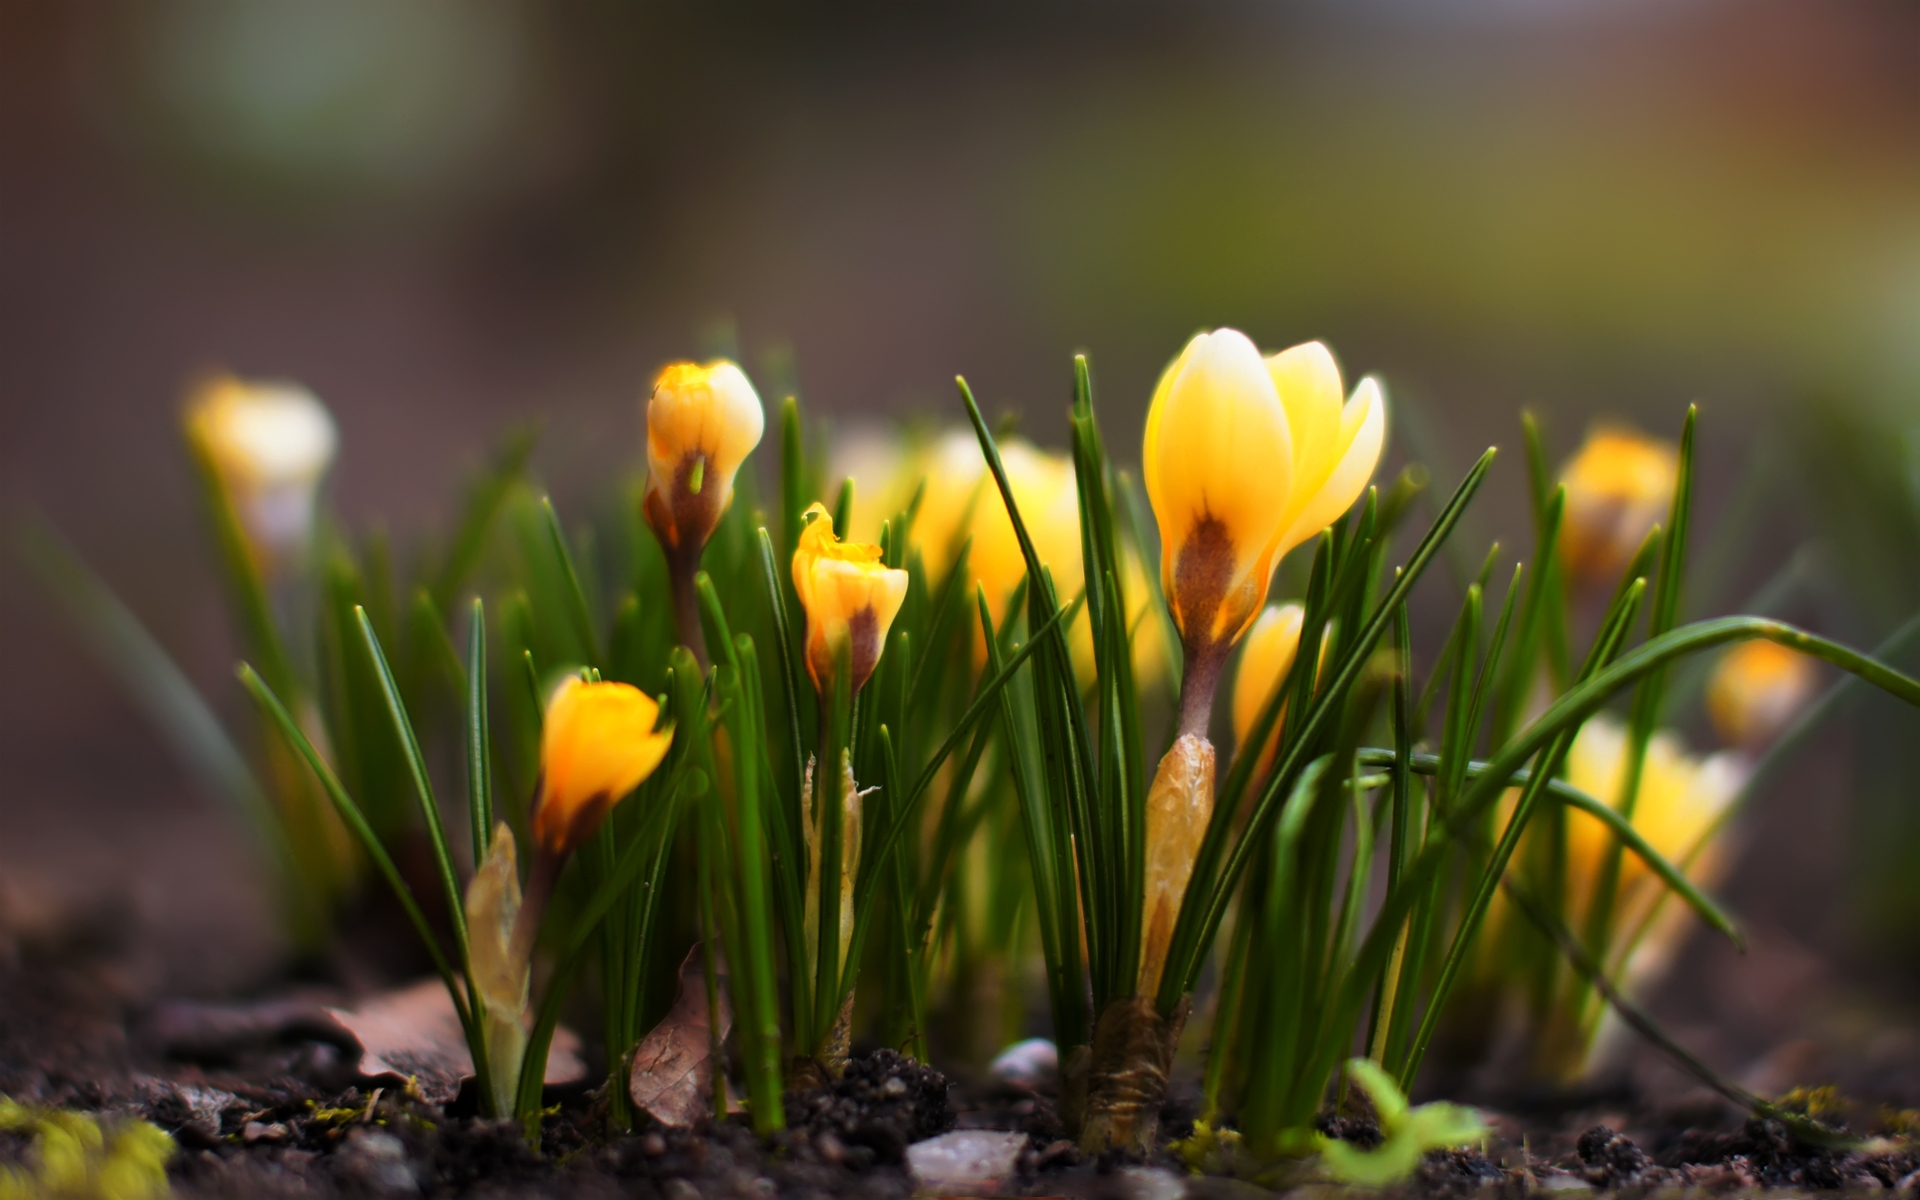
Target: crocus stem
[
  {"x": 682, "y": 566},
  {"x": 534, "y": 897},
  {"x": 1198, "y": 684}
]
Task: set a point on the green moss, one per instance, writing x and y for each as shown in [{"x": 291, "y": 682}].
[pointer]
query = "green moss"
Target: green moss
[{"x": 74, "y": 1156}]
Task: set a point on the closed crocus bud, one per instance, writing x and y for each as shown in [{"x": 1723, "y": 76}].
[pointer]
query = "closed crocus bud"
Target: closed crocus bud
[
  {"x": 1619, "y": 486},
  {"x": 269, "y": 444},
  {"x": 1265, "y": 659},
  {"x": 850, "y": 597},
  {"x": 1244, "y": 458},
  {"x": 598, "y": 743},
  {"x": 1756, "y": 689},
  {"x": 702, "y": 422}
]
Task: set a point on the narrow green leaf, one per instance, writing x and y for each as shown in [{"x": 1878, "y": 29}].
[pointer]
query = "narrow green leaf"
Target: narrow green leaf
[{"x": 422, "y": 784}]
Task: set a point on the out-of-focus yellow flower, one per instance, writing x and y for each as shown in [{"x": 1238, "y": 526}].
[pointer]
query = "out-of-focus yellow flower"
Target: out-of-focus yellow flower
[
  {"x": 960, "y": 501},
  {"x": 1265, "y": 659},
  {"x": 702, "y": 422},
  {"x": 1681, "y": 798},
  {"x": 269, "y": 444},
  {"x": 1756, "y": 689},
  {"x": 598, "y": 743},
  {"x": 1619, "y": 486},
  {"x": 851, "y": 599},
  {"x": 1244, "y": 459}
]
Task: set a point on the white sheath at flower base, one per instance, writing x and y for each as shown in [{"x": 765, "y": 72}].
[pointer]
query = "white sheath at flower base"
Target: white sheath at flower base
[{"x": 501, "y": 973}]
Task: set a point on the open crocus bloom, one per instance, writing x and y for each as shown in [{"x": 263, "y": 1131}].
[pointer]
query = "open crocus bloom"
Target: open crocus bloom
[
  {"x": 597, "y": 744},
  {"x": 1681, "y": 800},
  {"x": 1245, "y": 458},
  {"x": 702, "y": 422},
  {"x": 851, "y": 598},
  {"x": 270, "y": 444}
]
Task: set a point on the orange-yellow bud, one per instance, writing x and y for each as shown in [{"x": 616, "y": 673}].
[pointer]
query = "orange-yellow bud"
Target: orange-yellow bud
[
  {"x": 702, "y": 422},
  {"x": 851, "y": 599},
  {"x": 269, "y": 444},
  {"x": 1245, "y": 458},
  {"x": 598, "y": 743},
  {"x": 1756, "y": 689},
  {"x": 960, "y": 502},
  {"x": 1265, "y": 659},
  {"x": 1619, "y": 486}
]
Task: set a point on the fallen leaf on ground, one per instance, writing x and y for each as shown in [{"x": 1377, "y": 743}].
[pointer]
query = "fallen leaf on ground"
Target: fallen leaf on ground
[
  {"x": 672, "y": 1076},
  {"x": 414, "y": 1032}
]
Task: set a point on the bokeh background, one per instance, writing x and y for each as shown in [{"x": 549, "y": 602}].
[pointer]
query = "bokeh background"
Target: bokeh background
[{"x": 448, "y": 218}]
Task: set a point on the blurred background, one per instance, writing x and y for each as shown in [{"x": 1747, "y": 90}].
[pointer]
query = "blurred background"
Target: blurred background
[{"x": 449, "y": 218}]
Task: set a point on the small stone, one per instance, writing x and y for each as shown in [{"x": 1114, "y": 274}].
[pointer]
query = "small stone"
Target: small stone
[
  {"x": 1151, "y": 1183},
  {"x": 1561, "y": 1181},
  {"x": 967, "y": 1160},
  {"x": 652, "y": 1145},
  {"x": 1062, "y": 1152},
  {"x": 830, "y": 1148},
  {"x": 379, "y": 1160},
  {"x": 1028, "y": 1064},
  {"x": 679, "y": 1189},
  {"x": 260, "y": 1131},
  {"x": 894, "y": 1088}
]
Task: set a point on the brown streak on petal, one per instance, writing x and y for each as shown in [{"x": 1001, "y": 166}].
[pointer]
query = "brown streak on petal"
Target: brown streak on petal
[
  {"x": 1200, "y": 578},
  {"x": 694, "y": 514},
  {"x": 863, "y": 632}
]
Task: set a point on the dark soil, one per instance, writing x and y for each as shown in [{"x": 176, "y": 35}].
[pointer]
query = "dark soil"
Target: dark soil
[{"x": 269, "y": 1109}]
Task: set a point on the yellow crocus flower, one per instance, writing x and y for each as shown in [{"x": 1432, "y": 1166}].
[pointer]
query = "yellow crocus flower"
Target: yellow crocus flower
[
  {"x": 1245, "y": 458},
  {"x": 1757, "y": 688},
  {"x": 850, "y": 597},
  {"x": 597, "y": 744},
  {"x": 1265, "y": 659},
  {"x": 1619, "y": 486},
  {"x": 702, "y": 422},
  {"x": 269, "y": 443},
  {"x": 1682, "y": 798}
]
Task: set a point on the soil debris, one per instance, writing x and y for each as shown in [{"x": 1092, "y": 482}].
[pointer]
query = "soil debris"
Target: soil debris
[{"x": 883, "y": 1103}]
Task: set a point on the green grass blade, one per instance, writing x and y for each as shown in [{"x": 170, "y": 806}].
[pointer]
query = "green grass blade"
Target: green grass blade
[
  {"x": 1212, "y": 885},
  {"x": 1566, "y": 714},
  {"x": 685, "y": 786},
  {"x": 577, "y": 609},
  {"x": 904, "y": 815},
  {"x": 422, "y": 783},
  {"x": 479, "y": 739},
  {"x": 350, "y": 813},
  {"x": 164, "y": 693},
  {"x": 485, "y": 499},
  {"x": 1673, "y": 876}
]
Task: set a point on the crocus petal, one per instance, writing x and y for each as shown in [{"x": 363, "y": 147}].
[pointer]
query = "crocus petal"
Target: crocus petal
[
  {"x": 1362, "y": 436},
  {"x": 597, "y": 744},
  {"x": 1266, "y": 656},
  {"x": 1217, "y": 461}
]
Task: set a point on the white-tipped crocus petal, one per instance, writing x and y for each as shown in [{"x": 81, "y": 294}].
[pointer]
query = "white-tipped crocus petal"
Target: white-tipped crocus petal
[
  {"x": 1218, "y": 453},
  {"x": 1363, "y": 432}
]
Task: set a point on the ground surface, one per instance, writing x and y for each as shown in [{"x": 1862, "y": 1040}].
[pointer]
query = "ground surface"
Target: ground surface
[{"x": 272, "y": 1108}]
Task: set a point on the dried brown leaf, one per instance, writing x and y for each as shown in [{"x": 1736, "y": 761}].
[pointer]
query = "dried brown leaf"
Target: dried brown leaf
[
  {"x": 672, "y": 1076},
  {"x": 414, "y": 1032}
]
